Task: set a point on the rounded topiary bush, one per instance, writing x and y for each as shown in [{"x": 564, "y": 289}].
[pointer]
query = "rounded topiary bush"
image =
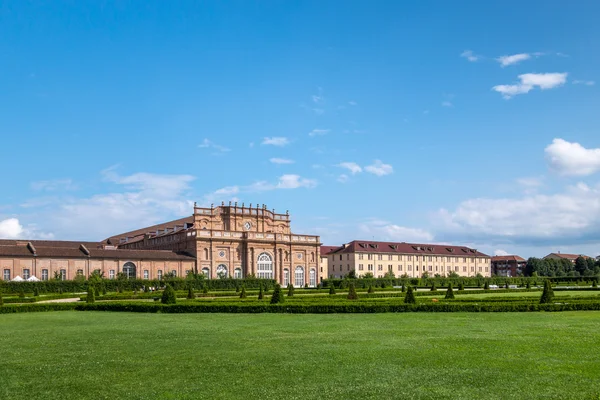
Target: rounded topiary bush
[
  {"x": 403, "y": 288},
  {"x": 277, "y": 296},
  {"x": 410, "y": 296},
  {"x": 168, "y": 296},
  {"x": 352, "y": 295}
]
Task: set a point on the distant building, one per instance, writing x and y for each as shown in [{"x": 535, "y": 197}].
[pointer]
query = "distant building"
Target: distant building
[
  {"x": 564, "y": 256},
  {"x": 323, "y": 266},
  {"x": 509, "y": 265},
  {"x": 407, "y": 259}
]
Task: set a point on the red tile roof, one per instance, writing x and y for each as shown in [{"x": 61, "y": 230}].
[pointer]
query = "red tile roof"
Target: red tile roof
[
  {"x": 571, "y": 257},
  {"x": 171, "y": 224},
  {"x": 508, "y": 258},
  {"x": 367, "y": 246},
  {"x": 328, "y": 249}
]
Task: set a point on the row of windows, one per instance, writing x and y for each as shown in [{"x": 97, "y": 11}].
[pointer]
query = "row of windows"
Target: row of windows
[
  {"x": 370, "y": 267},
  {"x": 399, "y": 257},
  {"x": 62, "y": 274}
]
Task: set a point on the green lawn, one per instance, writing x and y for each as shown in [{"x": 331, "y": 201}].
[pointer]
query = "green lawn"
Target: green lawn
[{"x": 87, "y": 355}]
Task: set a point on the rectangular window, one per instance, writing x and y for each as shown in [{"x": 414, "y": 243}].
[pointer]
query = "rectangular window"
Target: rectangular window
[
  {"x": 159, "y": 274},
  {"x": 449, "y": 268},
  {"x": 360, "y": 256},
  {"x": 430, "y": 269},
  {"x": 479, "y": 269},
  {"x": 340, "y": 257},
  {"x": 430, "y": 258},
  {"x": 6, "y": 275},
  {"x": 380, "y": 267},
  {"x": 410, "y": 267},
  {"x": 146, "y": 274},
  {"x": 26, "y": 273},
  {"x": 416, "y": 267},
  {"x": 347, "y": 257},
  {"x": 360, "y": 267},
  {"x": 400, "y": 257},
  {"x": 455, "y": 269},
  {"x": 63, "y": 274},
  {"x": 44, "y": 274},
  {"x": 399, "y": 267},
  {"x": 333, "y": 268},
  {"x": 111, "y": 274},
  {"x": 464, "y": 259},
  {"x": 487, "y": 269},
  {"x": 409, "y": 258},
  {"x": 379, "y": 257},
  {"x": 370, "y": 267},
  {"x": 390, "y": 268},
  {"x": 389, "y": 257},
  {"x": 464, "y": 269}
]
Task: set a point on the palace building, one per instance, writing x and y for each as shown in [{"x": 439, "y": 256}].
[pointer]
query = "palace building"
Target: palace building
[
  {"x": 405, "y": 259},
  {"x": 224, "y": 241}
]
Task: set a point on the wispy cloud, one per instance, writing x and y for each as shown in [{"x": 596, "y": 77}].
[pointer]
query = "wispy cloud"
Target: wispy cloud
[
  {"x": 319, "y": 132},
  {"x": 53, "y": 185},
  {"x": 353, "y": 167},
  {"x": 279, "y": 141},
  {"x": 530, "y": 81},
  {"x": 343, "y": 178},
  {"x": 379, "y": 168},
  {"x": 507, "y": 60},
  {"x": 276, "y": 160},
  {"x": 208, "y": 144},
  {"x": 469, "y": 55},
  {"x": 447, "y": 104},
  {"x": 580, "y": 82},
  {"x": 287, "y": 181}
]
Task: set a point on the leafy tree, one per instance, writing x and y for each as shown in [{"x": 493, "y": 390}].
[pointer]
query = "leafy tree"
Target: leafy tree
[
  {"x": 453, "y": 275},
  {"x": 547, "y": 294},
  {"x": 410, "y": 296},
  {"x": 461, "y": 286},
  {"x": 277, "y": 295},
  {"x": 595, "y": 282},
  {"x": 580, "y": 265},
  {"x": 425, "y": 275},
  {"x": 368, "y": 275},
  {"x": 168, "y": 296},
  {"x": 389, "y": 275},
  {"x": 90, "y": 295},
  {"x": 449, "y": 292},
  {"x": 371, "y": 290},
  {"x": 261, "y": 294},
  {"x": 352, "y": 295},
  {"x": 21, "y": 291},
  {"x": 96, "y": 277},
  {"x": 331, "y": 289},
  {"x": 243, "y": 293},
  {"x": 190, "y": 294},
  {"x": 291, "y": 290},
  {"x": 351, "y": 275}
]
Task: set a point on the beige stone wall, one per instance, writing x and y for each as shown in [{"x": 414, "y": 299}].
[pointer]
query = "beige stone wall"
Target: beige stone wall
[{"x": 410, "y": 264}]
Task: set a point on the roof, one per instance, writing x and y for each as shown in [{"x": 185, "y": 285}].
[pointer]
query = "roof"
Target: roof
[
  {"x": 367, "y": 246},
  {"x": 508, "y": 258},
  {"x": 567, "y": 256},
  {"x": 171, "y": 224},
  {"x": 64, "y": 249},
  {"x": 328, "y": 249}
]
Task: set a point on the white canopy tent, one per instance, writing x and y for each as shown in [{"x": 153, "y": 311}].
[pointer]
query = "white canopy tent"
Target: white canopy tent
[
  {"x": 17, "y": 279},
  {"x": 33, "y": 279}
]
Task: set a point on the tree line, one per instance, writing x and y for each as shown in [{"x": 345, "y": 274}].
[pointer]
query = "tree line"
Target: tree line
[{"x": 562, "y": 267}]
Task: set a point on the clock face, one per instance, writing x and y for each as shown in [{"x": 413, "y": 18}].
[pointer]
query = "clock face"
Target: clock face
[
  {"x": 222, "y": 254},
  {"x": 247, "y": 226}
]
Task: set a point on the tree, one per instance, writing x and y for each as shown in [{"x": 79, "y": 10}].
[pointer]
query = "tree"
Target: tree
[
  {"x": 580, "y": 265},
  {"x": 547, "y": 294},
  {"x": 371, "y": 290},
  {"x": 433, "y": 287},
  {"x": 277, "y": 295},
  {"x": 352, "y": 295},
  {"x": 351, "y": 275},
  {"x": 410, "y": 296},
  {"x": 90, "y": 295},
  {"x": 486, "y": 285},
  {"x": 261, "y": 294},
  {"x": 403, "y": 288},
  {"x": 425, "y": 275},
  {"x": 331, "y": 289},
  {"x": 453, "y": 275},
  {"x": 243, "y": 293},
  {"x": 290, "y": 290},
  {"x": 449, "y": 292},
  {"x": 368, "y": 275},
  {"x": 389, "y": 275},
  {"x": 168, "y": 296},
  {"x": 190, "y": 294}
]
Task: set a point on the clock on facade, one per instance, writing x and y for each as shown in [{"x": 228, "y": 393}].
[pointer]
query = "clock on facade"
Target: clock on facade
[
  {"x": 222, "y": 254},
  {"x": 247, "y": 226}
]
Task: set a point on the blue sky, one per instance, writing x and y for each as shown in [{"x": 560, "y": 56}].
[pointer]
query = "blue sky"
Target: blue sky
[{"x": 461, "y": 122}]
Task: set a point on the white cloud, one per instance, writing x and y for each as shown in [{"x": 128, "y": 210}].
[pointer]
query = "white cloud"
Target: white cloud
[
  {"x": 383, "y": 230},
  {"x": 318, "y": 132},
  {"x": 53, "y": 185},
  {"x": 530, "y": 182},
  {"x": 276, "y": 160},
  {"x": 469, "y": 55},
  {"x": 353, "y": 167},
  {"x": 447, "y": 104},
  {"x": 379, "y": 168},
  {"x": 11, "y": 228},
  {"x": 228, "y": 190},
  {"x": 287, "y": 181},
  {"x": 500, "y": 252},
  {"x": 513, "y": 59},
  {"x": 530, "y": 81},
  {"x": 151, "y": 185},
  {"x": 343, "y": 178},
  {"x": 291, "y": 181},
  {"x": 276, "y": 141},
  {"x": 570, "y": 158},
  {"x": 580, "y": 82},
  {"x": 208, "y": 144}
]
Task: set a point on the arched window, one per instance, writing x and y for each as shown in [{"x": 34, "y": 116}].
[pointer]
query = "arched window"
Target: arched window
[
  {"x": 299, "y": 277},
  {"x": 206, "y": 272},
  {"x": 222, "y": 271},
  {"x": 264, "y": 268},
  {"x": 286, "y": 277},
  {"x": 312, "y": 277},
  {"x": 237, "y": 273},
  {"x": 129, "y": 270}
]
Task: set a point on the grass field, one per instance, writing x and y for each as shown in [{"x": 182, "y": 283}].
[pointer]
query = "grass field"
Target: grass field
[{"x": 87, "y": 355}]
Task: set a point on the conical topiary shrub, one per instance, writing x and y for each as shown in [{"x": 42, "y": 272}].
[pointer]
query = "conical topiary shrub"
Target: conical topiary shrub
[
  {"x": 204, "y": 289},
  {"x": 371, "y": 290},
  {"x": 36, "y": 291},
  {"x": 190, "y": 294},
  {"x": 261, "y": 294},
  {"x": 461, "y": 286},
  {"x": 277, "y": 296},
  {"x": 547, "y": 294},
  {"x": 449, "y": 292},
  {"x": 243, "y": 292},
  {"x": 332, "y": 289},
  {"x": 90, "y": 295},
  {"x": 96, "y": 290},
  {"x": 290, "y": 290},
  {"x": 506, "y": 285},
  {"x": 168, "y": 296},
  {"x": 1, "y": 300},
  {"x": 528, "y": 286},
  {"x": 433, "y": 287},
  {"x": 410, "y": 296},
  {"x": 352, "y": 295},
  {"x": 103, "y": 290},
  {"x": 486, "y": 286},
  {"x": 403, "y": 288}
]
